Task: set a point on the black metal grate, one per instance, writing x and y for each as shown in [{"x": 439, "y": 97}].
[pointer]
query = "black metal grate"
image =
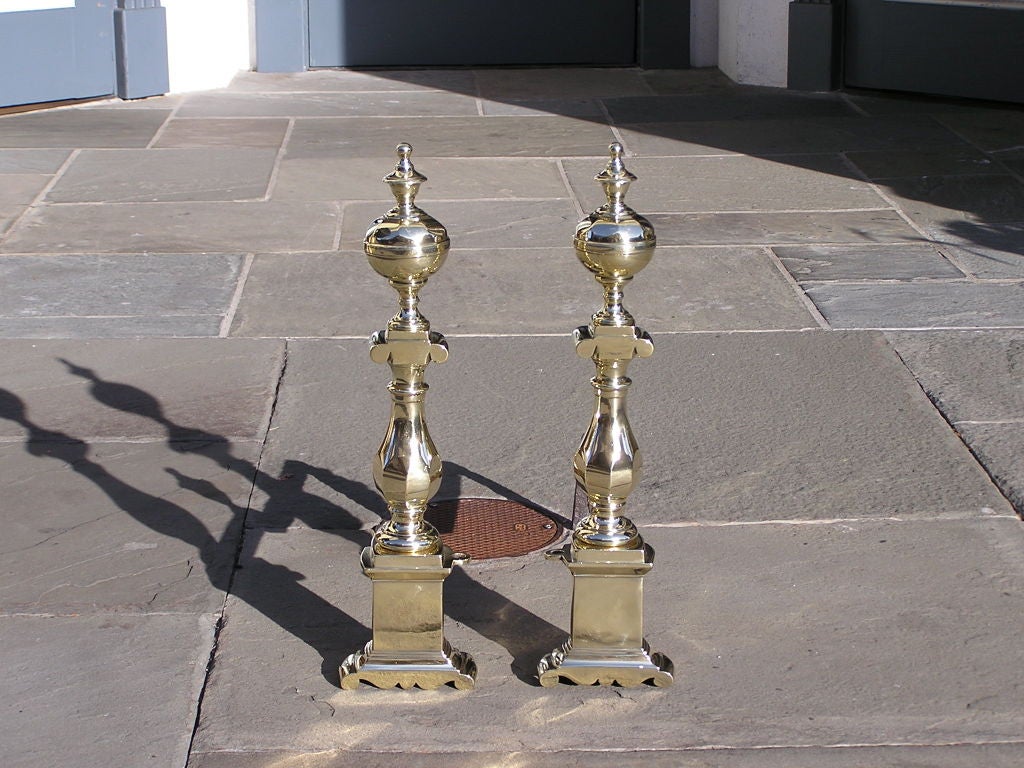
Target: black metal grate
[{"x": 489, "y": 528}]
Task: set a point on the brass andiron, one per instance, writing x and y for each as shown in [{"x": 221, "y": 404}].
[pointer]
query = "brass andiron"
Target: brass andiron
[
  {"x": 606, "y": 556},
  {"x": 406, "y": 560}
]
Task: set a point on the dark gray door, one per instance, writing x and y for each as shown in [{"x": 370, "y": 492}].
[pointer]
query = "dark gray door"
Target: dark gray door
[
  {"x": 971, "y": 48},
  {"x": 62, "y": 50},
  {"x": 352, "y": 33}
]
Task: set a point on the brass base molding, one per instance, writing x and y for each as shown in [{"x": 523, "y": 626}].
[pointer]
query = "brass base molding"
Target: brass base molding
[
  {"x": 606, "y": 646},
  {"x": 408, "y": 647}
]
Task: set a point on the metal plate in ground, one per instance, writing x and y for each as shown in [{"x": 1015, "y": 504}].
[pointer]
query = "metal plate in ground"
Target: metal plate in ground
[{"x": 489, "y": 528}]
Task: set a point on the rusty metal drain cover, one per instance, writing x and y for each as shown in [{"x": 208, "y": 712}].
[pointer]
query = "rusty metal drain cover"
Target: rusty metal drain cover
[{"x": 488, "y": 528}]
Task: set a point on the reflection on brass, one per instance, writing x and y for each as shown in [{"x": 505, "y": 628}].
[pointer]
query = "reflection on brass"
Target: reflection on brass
[
  {"x": 606, "y": 556},
  {"x": 406, "y": 560}
]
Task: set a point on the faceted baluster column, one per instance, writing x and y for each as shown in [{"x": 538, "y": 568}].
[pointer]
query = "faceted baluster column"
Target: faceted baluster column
[
  {"x": 606, "y": 556},
  {"x": 406, "y": 560}
]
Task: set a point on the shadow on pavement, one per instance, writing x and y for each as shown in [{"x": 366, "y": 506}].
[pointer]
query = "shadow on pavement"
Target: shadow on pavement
[{"x": 273, "y": 589}]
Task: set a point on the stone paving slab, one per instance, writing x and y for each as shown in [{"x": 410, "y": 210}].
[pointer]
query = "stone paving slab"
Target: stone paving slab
[
  {"x": 114, "y": 128},
  {"x": 695, "y": 80},
  {"x": 865, "y": 262},
  {"x": 949, "y": 756},
  {"x": 1013, "y": 159},
  {"x": 813, "y": 425},
  {"x": 985, "y": 249},
  {"x": 987, "y": 263},
  {"x": 589, "y": 108},
  {"x": 459, "y": 80},
  {"x": 951, "y": 161},
  {"x": 775, "y": 228},
  {"x": 175, "y": 228},
  {"x": 782, "y": 635},
  {"x": 214, "y": 132},
  {"x": 753, "y": 104},
  {"x": 167, "y": 101},
  {"x": 1000, "y": 448},
  {"x": 513, "y": 136},
  {"x": 133, "y": 327},
  {"x": 523, "y": 290},
  {"x": 448, "y": 178},
  {"x": 122, "y": 292},
  {"x": 17, "y": 192},
  {"x": 101, "y": 690},
  {"x": 414, "y": 104},
  {"x": 784, "y": 135},
  {"x": 943, "y": 201},
  {"x": 730, "y": 184},
  {"x": 479, "y": 224},
  {"x": 560, "y": 82},
  {"x": 166, "y": 175},
  {"x": 32, "y": 160},
  {"x": 193, "y": 390},
  {"x": 988, "y": 130},
  {"x": 919, "y": 305},
  {"x": 896, "y": 103},
  {"x": 121, "y": 527},
  {"x": 20, "y": 189},
  {"x": 969, "y": 375}
]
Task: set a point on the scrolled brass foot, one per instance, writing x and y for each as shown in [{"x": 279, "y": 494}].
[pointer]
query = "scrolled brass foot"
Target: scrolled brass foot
[
  {"x": 627, "y": 669},
  {"x": 407, "y": 671}
]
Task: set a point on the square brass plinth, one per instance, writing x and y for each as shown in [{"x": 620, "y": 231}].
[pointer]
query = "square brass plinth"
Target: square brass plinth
[
  {"x": 606, "y": 644},
  {"x": 408, "y": 647}
]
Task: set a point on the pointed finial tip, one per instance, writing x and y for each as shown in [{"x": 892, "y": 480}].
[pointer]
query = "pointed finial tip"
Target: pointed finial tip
[
  {"x": 615, "y": 149},
  {"x": 404, "y": 168}
]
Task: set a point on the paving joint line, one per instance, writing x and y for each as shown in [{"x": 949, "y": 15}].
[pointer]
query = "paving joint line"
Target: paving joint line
[
  {"x": 236, "y": 297},
  {"x": 37, "y": 201},
  {"x": 1004, "y": 492},
  {"x": 801, "y": 294},
  {"x": 577, "y": 203},
  {"x": 980, "y": 514},
  {"x": 219, "y": 624},
  {"x": 163, "y": 126},
  {"x": 278, "y": 158}
]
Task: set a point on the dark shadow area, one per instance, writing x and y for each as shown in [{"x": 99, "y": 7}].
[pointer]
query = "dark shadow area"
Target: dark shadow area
[
  {"x": 272, "y": 589},
  {"x": 355, "y": 33}
]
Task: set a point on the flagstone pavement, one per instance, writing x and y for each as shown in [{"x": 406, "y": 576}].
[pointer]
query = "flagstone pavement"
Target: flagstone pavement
[{"x": 831, "y": 422}]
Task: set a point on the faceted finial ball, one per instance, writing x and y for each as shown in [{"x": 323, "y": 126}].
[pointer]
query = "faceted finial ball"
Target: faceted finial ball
[
  {"x": 615, "y": 241},
  {"x": 406, "y": 244}
]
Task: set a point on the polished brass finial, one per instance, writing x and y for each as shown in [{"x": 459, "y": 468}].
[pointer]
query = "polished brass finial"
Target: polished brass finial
[
  {"x": 615, "y": 179},
  {"x": 614, "y": 242},
  {"x": 406, "y": 245}
]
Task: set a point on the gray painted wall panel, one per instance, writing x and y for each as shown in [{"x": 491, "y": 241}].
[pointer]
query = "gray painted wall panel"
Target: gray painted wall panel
[
  {"x": 280, "y": 29},
  {"x": 140, "y": 34},
  {"x": 975, "y": 52},
  {"x": 471, "y": 32},
  {"x": 64, "y": 53}
]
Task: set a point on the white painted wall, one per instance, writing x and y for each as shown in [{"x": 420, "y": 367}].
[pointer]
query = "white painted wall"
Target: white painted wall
[
  {"x": 207, "y": 42},
  {"x": 753, "y": 41},
  {"x": 703, "y": 33}
]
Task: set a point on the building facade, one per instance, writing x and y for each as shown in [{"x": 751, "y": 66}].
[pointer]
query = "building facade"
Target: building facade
[{"x": 66, "y": 49}]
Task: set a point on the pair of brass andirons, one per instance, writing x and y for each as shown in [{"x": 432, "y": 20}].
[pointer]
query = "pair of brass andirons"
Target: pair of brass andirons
[{"x": 407, "y": 561}]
